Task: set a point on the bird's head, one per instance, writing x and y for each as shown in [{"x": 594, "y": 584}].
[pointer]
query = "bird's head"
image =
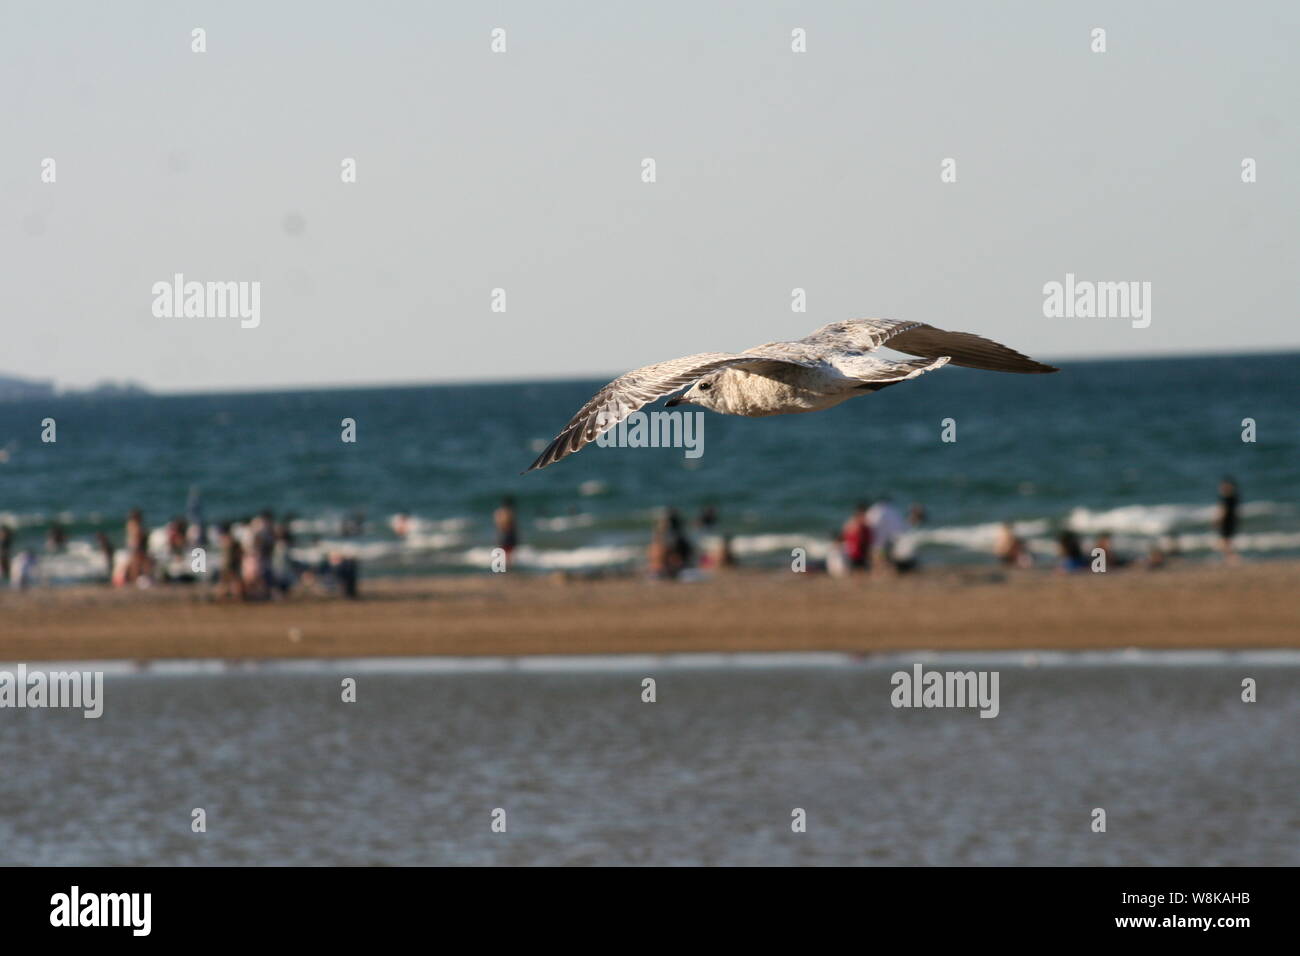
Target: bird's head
[{"x": 705, "y": 393}]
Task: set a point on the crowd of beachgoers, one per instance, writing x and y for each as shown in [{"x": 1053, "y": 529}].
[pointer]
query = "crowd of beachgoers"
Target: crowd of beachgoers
[{"x": 256, "y": 558}]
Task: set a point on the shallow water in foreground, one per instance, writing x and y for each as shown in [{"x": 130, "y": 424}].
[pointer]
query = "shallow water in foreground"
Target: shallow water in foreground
[{"x": 709, "y": 774}]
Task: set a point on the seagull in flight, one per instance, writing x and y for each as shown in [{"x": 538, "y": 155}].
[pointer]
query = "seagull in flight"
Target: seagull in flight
[{"x": 830, "y": 366}]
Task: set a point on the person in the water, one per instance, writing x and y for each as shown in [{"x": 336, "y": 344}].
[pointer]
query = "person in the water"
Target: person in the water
[{"x": 1226, "y": 521}]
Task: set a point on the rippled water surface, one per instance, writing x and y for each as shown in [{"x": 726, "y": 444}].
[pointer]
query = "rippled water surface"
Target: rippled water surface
[{"x": 709, "y": 774}]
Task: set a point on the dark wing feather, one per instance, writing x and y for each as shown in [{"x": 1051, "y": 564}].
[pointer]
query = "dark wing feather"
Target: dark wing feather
[{"x": 917, "y": 338}]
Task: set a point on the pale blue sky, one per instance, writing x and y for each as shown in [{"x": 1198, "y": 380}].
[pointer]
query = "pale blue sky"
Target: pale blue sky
[{"x": 775, "y": 170}]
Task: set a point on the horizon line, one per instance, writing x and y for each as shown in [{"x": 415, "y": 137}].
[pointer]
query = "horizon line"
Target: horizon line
[{"x": 62, "y": 391}]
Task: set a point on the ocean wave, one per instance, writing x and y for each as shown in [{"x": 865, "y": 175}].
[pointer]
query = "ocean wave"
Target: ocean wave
[
  {"x": 593, "y": 541},
  {"x": 565, "y": 522},
  {"x": 18, "y": 522},
  {"x": 569, "y": 559},
  {"x": 1161, "y": 519},
  {"x": 746, "y": 545},
  {"x": 80, "y": 560},
  {"x": 980, "y": 537}
]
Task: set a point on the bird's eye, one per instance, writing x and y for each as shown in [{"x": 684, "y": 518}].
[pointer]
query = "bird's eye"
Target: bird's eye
[{"x": 704, "y": 386}]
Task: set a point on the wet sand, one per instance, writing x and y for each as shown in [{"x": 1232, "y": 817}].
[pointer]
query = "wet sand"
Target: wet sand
[{"x": 1250, "y": 606}]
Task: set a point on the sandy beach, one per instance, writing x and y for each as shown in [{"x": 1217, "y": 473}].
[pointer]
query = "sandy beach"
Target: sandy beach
[{"x": 1207, "y": 606}]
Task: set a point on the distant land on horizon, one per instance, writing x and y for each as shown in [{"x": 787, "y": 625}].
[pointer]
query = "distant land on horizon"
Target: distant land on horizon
[{"x": 15, "y": 389}]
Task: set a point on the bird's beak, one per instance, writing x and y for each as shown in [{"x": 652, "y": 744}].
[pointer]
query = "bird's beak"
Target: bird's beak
[{"x": 676, "y": 400}]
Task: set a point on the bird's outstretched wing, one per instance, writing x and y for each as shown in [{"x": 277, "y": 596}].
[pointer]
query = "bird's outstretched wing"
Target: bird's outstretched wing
[
  {"x": 875, "y": 373},
  {"x": 627, "y": 393},
  {"x": 917, "y": 338}
]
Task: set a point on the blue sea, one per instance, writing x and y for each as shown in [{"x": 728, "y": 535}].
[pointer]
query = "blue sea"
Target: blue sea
[{"x": 1135, "y": 448}]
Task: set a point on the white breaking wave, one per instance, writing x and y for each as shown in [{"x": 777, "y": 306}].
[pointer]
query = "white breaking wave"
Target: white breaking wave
[
  {"x": 980, "y": 537},
  {"x": 565, "y": 522},
  {"x": 17, "y": 521},
  {"x": 571, "y": 559},
  {"x": 81, "y": 560},
  {"x": 349, "y": 547},
  {"x": 1257, "y": 542},
  {"x": 1160, "y": 519},
  {"x": 429, "y": 526},
  {"x": 756, "y": 544}
]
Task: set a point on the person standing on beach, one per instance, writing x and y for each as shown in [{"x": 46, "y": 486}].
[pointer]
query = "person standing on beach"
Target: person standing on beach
[
  {"x": 176, "y": 568},
  {"x": 57, "y": 539},
  {"x": 23, "y": 573},
  {"x": 708, "y": 519},
  {"x": 264, "y": 542},
  {"x": 680, "y": 550},
  {"x": 855, "y": 538},
  {"x": 904, "y": 549},
  {"x": 1106, "y": 545},
  {"x": 1226, "y": 520},
  {"x": 230, "y": 583},
  {"x": 197, "y": 532},
  {"x": 284, "y": 572},
  {"x": 507, "y": 524},
  {"x": 670, "y": 550},
  {"x": 1009, "y": 549},
  {"x": 886, "y": 528},
  {"x": 1071, "y": 552},
  {"x": 6, "y": 547},
  {"x": 256, "y": 544},
  {"x": 714, "y": 547},
  {"x": 106, "y": 549},
  {"x": 135, "y": 533},
  {"x": 139, "y": 565}
]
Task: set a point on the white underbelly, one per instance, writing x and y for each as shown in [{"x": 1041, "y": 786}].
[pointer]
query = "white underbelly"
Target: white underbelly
[{"x": 799, "y": 390}]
